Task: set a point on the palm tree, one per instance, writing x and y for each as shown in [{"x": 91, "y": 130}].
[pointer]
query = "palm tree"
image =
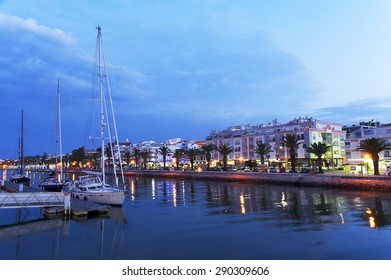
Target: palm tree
[
  {"x": 319, "y": 149},
  {"x": 225, "y": 150},
  {"x": 191, "y": 154},
  {"x": 208, "y": 149},
  {"x": 136, "y": 155},
  {"x": 145, "y": 155},
  {"x": 164, "y": 150},
  {"x": 177, "y": 155},
  {"x": 263, "y": 149},
  {"x": 292, "y": 142},
  {"x": 373, "y": 146},
  {"x": 127, "y": 157},
  {"x": 78, "y": 155}
]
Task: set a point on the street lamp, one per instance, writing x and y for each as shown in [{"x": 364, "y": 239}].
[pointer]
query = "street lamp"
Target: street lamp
[{"x": 366, "y": 160}]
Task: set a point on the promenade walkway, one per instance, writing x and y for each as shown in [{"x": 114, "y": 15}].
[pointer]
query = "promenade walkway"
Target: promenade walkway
[{"x": 345, "y": 181}]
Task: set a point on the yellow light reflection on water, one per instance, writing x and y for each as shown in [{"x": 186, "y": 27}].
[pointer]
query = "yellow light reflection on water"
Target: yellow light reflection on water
[
  {"x": 132, "y": 189},
  {"x": 372, "y": 222},
  {"x": 242, "y": 204},
  {"x": 174, "y": 194},
  {"x": 153, "y": 188},
  {"x": 283, "y": 201},
  {"x": 371, "y": 219}
]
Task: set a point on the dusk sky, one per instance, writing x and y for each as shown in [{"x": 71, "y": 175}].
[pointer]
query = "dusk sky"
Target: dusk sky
[{"x": 181, "y": 68}]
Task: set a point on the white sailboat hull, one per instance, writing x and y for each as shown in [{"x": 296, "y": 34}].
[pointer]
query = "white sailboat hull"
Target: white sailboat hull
[
  {"x": 91, "y": 188},
  {"x": 114, "y": 197}
]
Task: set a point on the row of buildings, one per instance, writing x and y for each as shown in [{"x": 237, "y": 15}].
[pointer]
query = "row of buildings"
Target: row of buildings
[{"x": 344, "y": 141}]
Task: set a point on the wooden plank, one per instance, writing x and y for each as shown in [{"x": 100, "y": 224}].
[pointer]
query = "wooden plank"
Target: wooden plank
[{"x": 80, "y": 208}]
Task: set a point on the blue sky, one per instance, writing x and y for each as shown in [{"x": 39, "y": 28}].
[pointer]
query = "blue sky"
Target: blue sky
[{"x": 182, "y": 68}]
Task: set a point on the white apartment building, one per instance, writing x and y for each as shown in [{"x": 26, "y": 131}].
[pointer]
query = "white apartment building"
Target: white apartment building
[
  {"x": 156, "y": 158},
  {"x": 365, "y": 130},
  {"x": 243, "y": 139}
]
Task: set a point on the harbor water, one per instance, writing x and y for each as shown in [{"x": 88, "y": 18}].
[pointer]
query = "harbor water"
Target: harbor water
[{"x": 165, "y": 219}]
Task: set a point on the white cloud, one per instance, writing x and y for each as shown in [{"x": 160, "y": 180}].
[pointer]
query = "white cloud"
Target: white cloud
[
  {"x": 375, "y": 108},
  {"x": 17, "y": 23}
]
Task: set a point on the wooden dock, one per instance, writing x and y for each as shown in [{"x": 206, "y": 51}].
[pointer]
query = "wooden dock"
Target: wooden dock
[
  {"x": 31, "y": 199},
  {"x": 14, "y": 187},
  {"x": 80, "y": 208}
]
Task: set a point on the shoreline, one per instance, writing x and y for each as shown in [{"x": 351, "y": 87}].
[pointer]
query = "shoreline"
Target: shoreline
[
  {"x": 351, "y": 182},
  {"x": 336, "y": 180}
]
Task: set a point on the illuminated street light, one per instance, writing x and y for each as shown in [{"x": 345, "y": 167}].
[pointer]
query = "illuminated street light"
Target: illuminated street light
[{"x": 367, "y": 158}]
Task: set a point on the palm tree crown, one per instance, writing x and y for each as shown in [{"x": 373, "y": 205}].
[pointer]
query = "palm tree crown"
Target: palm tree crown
[
  {"x": 145, "y": 155},
  {"x": 318, "y": 149},
  {"x": 292, "y": 141},
  {"x": 208, "y": 149},
  {"x": 178, "y": 155},
  {"x": 373, "y": 146},
  {"x": 191, "y": 153},
  {"x": 263, "y": 149},
  {"x": 136, "y": 155},
  {"x": 225, "y": 150},
  {"x": 164, "y": 151}
]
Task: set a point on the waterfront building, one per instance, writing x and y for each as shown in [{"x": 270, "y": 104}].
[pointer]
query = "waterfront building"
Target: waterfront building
[
  {"x": 150, "y": 146},
  {"x": 243, "y": 140},
  {"x": 156, "y": 158},
  {"x": 358, "y": 161}
]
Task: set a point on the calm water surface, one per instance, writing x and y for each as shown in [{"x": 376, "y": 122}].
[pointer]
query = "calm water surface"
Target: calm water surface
[{"x": 169, "y": 219}]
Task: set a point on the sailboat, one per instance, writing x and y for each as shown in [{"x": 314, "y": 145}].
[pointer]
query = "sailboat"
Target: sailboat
[
  {"x": 20, "y": 177},
  {"x": 93, "y": 186},
  {"x": 54, "y": 183}
]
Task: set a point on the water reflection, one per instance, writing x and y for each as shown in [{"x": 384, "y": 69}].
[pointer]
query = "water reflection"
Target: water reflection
[
  {"x": 65, "y": 238},
  {"x": 292, "y": 205},
  {"x": 180, "y": 219},
  {"x": 242, "y": 204},
  {"x": 310, "y": 207},
  {"x": 376, "y": 215}
]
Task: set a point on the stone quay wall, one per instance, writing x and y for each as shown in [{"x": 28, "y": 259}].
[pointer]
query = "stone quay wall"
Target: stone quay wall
[{"x": 351, "y": 182}]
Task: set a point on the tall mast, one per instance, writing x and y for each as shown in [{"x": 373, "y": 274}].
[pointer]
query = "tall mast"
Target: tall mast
[
  {"x": 102, "y": 117},
  {"x": 58, "y": 132},
  {"x": 21, "y": 147}
]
